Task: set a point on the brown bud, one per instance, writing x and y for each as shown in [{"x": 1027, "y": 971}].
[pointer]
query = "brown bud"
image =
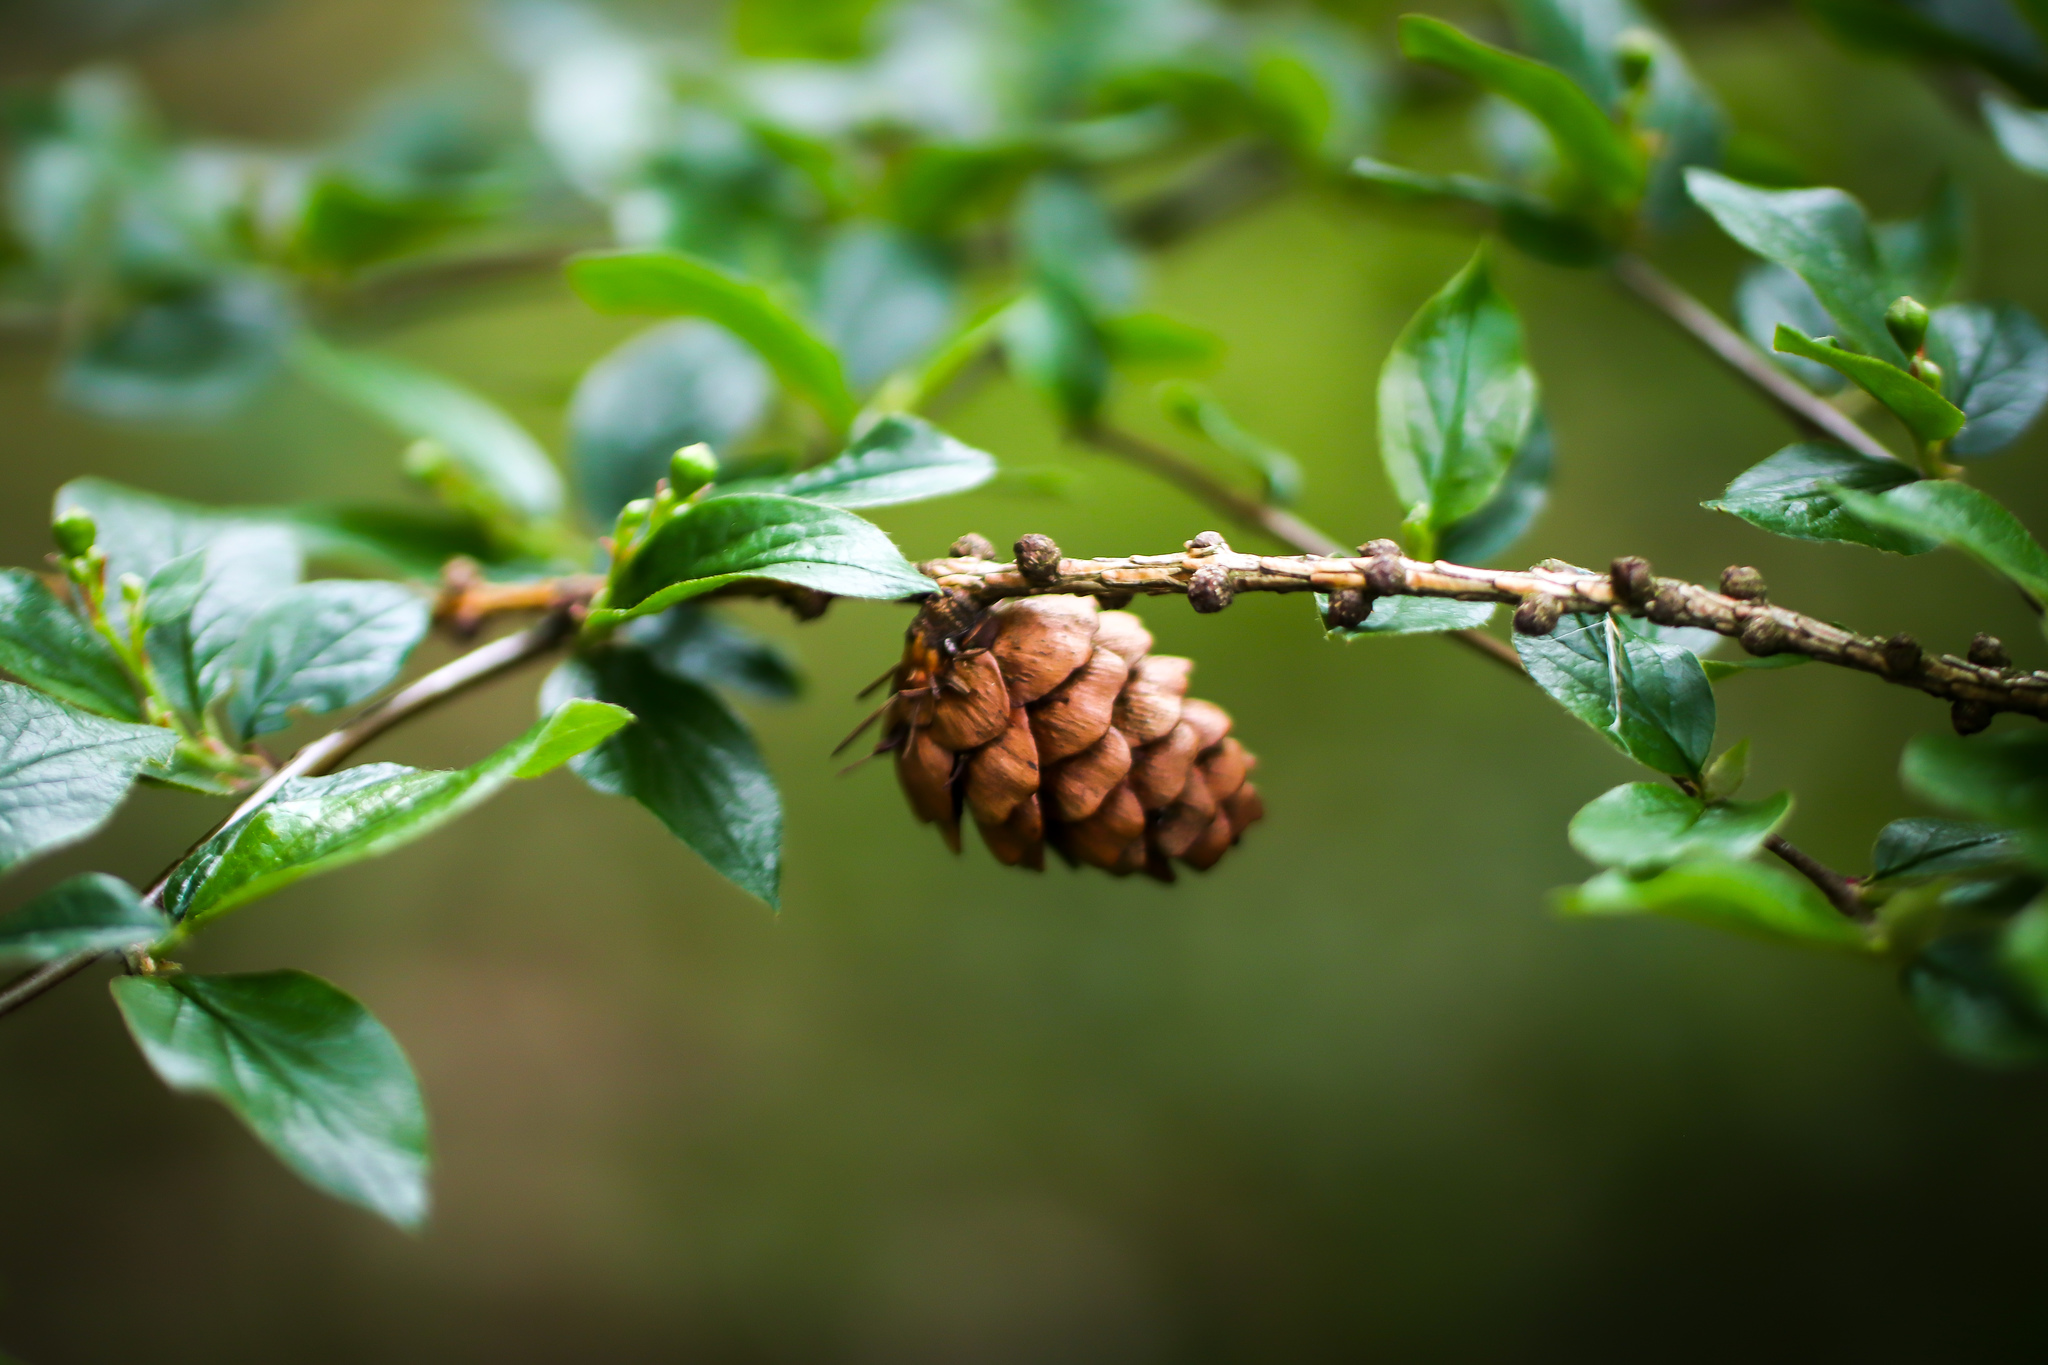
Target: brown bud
[
  {"x": 1040, "y": 641},
  {"x": 1988, "y": 651},
  {"x": 1210, "y": 721},
  {"x": 1538, "y": 614},
  {"x": 1633, "y": 582},
  {"x": 1742, "y": 583},
  {"x": 1379, "y": 549},
  {"x": 1123, "y": 635},
  {"x": 925, "y": 772},
  {"x": 1079, "y": 785},
  {"x": 1901, "y": 655},
  {"x": 1971, "y": 717},
  {"x": 1002, "y": 773},
  {"x": 973, "y": 545},
  {"x": 1038, "y": 559},
  {"x": 1114, "y": 601},
  {"x": 1206, "y": 542},
  {"x": 1160, "y": 769},
  {"x": 1348, "y": 608},
  {"x": 1664, "y": 606},
  {"x": 1384, "y": 576},
  {"x": 1073, "y": 715},
  {"x": 973, "y": 705},
  {"x": 1761, "y": 634},
  {"x": 1210, "y": 590}
]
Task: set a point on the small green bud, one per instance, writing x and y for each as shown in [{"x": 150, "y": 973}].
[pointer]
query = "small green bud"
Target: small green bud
[
  {"x": 1930, "y": 375},
  {"x": 1906, "y": 320},
  {"x": 74, "y": 533},
  {"x": 632, "y": 517},
  {"x": 131, "y": 588},
  {"x": 1635, "y": 55},
  {"x": 427, "y": 460},
  {"x": 690, "y": 468}
]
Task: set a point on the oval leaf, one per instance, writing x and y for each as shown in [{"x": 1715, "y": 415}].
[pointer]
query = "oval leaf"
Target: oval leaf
[
  {"x": 94, "y": 913},
  {"x": 1961, "y": 517},
  {"x": 1928, "y": 415},
  {"x": 1642, "y": 827},
  {"x": 899, "y": 459},
  {"x": 1649, "y": 699},
  {"x": 320, "y": 647},
  {"x": 63, "y": 771},
  {"x": 1791, "y": 494}
]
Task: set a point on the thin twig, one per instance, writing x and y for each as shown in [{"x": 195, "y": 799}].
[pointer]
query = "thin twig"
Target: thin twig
[{"x": 1840, "y": 891}]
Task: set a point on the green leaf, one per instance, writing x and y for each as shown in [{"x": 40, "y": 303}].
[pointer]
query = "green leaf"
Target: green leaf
[
  {"x": 1793, "y": 494},
  {"x": 1726, "y": 774},
  {"x": 195, "y": 351},
  {"x": 692, "y": 642},
  {"x": 1643, "y": 827},
  {"x": 1770, "y": 296},
  {"x": 1068, "y": 238},
  {"x": 1820, "y": 235},
  {"x": 899, "y": 459},
  {"x": 1192, "y": 407},
  {"x": 320, "y": 647},
  {"x": 1054, "y": 345},
  {"x": 671, "y": 282},
  {"x": 1973, "y": 1006},
  {"x": 1456, "y": 401},
  {"x": 2022, "y": 134},
  {"x": 311, "y": 1072},
  {"x": 817, "y": 30},
  {"x": 1743, "y": 897},
  {"x": 63, "y": 771},
  {"x": 499, "y": 459},
  {"x": 1959, "y": 516},
  {"x": 2001, "y": 778},
  {"x": 673, "y": 385},
  {"x": 1322, "y": 85},
  {"x": 884, "y": 300},
  {"x": 141, "y": 532},
  {"x": 1920, "y": 847},
  {"x": 1514, "y": 506},
  {"x": 346, "y": 224},
  {"x": 1718, "y": 670},
  {"x": 317, "y": 824},
  {"x": 1587, "y": 139},
  {"x": 1649, "y": 699},
  {"x": 198, "y": 605},
  {"x": 1412, "y": 616},
  {"x": 709, "y": 544},
  {"x": 1532, "y": 224},
  {"x": 47, "y": 645},
  {"x": 936, "y": 187},
  {"x": 1923, "y": 256},
  {"x": 1942, "y": 31},
  {"x": 93, "y": 913},
  {"x": 416, "y": 542},
  {"x": 1154, "y": 341},
  {"x": 1926, "y": 414},
  {"x": 1994, "y": 365},
  {"x": 689, "y": 760}
]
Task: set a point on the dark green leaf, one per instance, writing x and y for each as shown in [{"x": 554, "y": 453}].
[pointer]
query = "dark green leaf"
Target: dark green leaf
[
  {"x": 1194, "y": 408},
  {"x": 1069, "y": 238},
  {"x": 1994, "y": 365},
  {"x": 63, "y": 771},
  {"x": 689, "y": 760},
  {"x": 1973, "y": 1006},
  {"x": 1055, "y": 347},
  {"x": 899, "y": 459},
  {"x": 1791, "y": 494},
  {"x": 320, "y": 647},
  {"x": 1923, "y": 256},
  {"x": 2001, "y": 778},
  {"x": 311, "y": 1072},
  {"x": 1514, "y": 506},
  {"x": 1743, "y": 897},
  {"x": 1961, "y": 517},
  {"x": 417, "y": 542},
  {"x": 1988, "y": 36},
  {"x": 692, "y": 642},
  {"x": 1770, "y": 297},
  {"x": 199, "y": 605},
  {"x": 94, "y": 913},
  {"x": 671, "y": 282},
  {"x": 1649, "y": 699},
  {"x": 193, "y": 353},
  {"x": 47, "y": 645},
  {"x": 1413, "y": 616},
  {"x": 1920, "y": 847},
  {"x": 2022, "y": 134},
  {"x": 937, "y": 187},
  {"x": 884, "y": 300},
  {"x": 1643, "y": 827},
  {"x": 1926, "y": 414},
  {"x": 317, "y": 824},
  {"x": 1529, "y": 222}
]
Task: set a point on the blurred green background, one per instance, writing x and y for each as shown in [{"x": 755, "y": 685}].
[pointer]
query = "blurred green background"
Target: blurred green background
[{"x": 1355, "y": 1095}]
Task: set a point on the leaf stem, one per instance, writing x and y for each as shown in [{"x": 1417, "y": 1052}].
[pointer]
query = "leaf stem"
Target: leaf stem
[{"x": 1840, "y": 891}]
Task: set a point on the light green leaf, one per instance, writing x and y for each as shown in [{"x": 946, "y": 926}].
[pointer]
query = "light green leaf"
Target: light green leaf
[
  {"x": 93, "y": 913},
  {"x": 47, "y": 645},
  {"x": 693, "y": 642},
  {"x": 1994, "y": 365},
  {"x": 671, "y": 282},
  {"x": 1456, "y": 401},
  {"x": 1053, "y": 344},
  {"x": 1744, "y": 897},
  {"x": 1928, "y": 415},
  {"x": 311, "y": 1072},
  {"x": 884, "y": 300},
  {"x": 1193, "y": 407},
  {"x": 690, "y": 761},
  {"x": 899, "y": 459},
  {"x": 347, "y": 224},
  {"x": 1154, "y": 341},
  {"x": 1412, "y": 616},
  {"x": 63, "y": 771},
  {"x": 1920, "y": 847},
  {"x": 1792, "y": 494},
  {"x": 1726, "y": 774},
  {"x": 1069, "y": 238},
  {"x": 1588, "y": 140},
  {"x": 2022, "y": 134},
  {"x": 200, "y": 604},
  {"x": 1525, "y": 488},
  {"x": 192, "y": 351},
  {"x": 320, "y": 647},
  {"x": 1650, "y": 700},
  {"x": 141, "y": 532},
  {"x": 317, "y": 824},
  {"x": 1961, "y": 517},
  {"x": 1643, "y": 827}
]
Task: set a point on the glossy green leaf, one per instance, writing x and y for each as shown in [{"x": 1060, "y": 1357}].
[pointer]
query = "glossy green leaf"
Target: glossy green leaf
[
  {"x": 63, "y": 771},
  {"x": 1647, "y": 698},
  {"x": 198, "y": 606},
  {"x": 1726, "y": 774},
  {"x": 1770, "y": 296},
  {"x": 2001, "y": 778},
  {"x": 1921, "y": 847},
  {"x": 311, "y": 1072},
  {"x": 1531, "y": 223},
  {"x": 1588, "y": 140},
  {"x": 1743, "y": 897},
  {"x": 1493, "y": 529},
  {"x": 709, "y": 544},
  {"x": 1926, "y": 414},
  {"x": 1792, "y": 494},
  {"x": 1973, "y": 1006},
  {"x": 1193, "y": 408},
  {"x": 1412, "y": 616},
  {"x": 193, "y": 352},
  {"x": 320, "y": 647},
  {"x": 1923, "y": 256},
  {"x": 2022, "y": 134},
  {"x": 498, "y": 458},
  {"x": 1068, "y": 237},
  {"x": 885, "y": 299},
  {"x": 1456, "y": 401},
  {"x": 1961, "y": 517},
  {"x": 141, "y": 532},
  {"x": 899, "y": 459},
  {"x": 689, "y": 760},
  {"x": 1822, "y": 236},
  {"x": 49, "y": 646},
  {"x": 1643, "y": 827},
  {"x": 317, "y": 824},
  {"x": 693, "y": 642},
  {"x": 671, "y": 282},
  {"x": 1994, "y": 365},
  {"x": 1054, "y": 345},
  {"x": 93, "y": 913}
]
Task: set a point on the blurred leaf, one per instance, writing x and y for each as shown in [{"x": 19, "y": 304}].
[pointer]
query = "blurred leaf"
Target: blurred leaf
[
  {"x": 63, "y": 771},
  {"x": 935, "y": 188},
  {"x": 1770, "y": 296},
  {"x": 709, "y": 544},
  {"x": 884, "y": 300},
  {"x": 1067, "y": 236},
  {"x": 1791, "y": 494},
  {"x": 1412, "y": 616},
  {"x": 1972, "y": 1006},
  {"x": 1649, "y": 699},
  {"x": 2002, "y": 778},
  {"x": 671, "y": 386},
  {"x": 689, "y": 760},
  {"x": 49, "y": 646},
  {"x": 899, "y": 459},
  {"x": 141, "y": 532},
  {"x": 311, "y": 1072},
  {"x": 1820, "y": 235},
  {"x": 200, "y": 604},
  {"x": 1456, "y": 401},
  {"x": 1322, "y": 85},
  {"x": 1588, "y": 140},
  {"x": 93, "y": 913},
  {"x": 192, "y": 353},
  {"x": 320, "y": 647},
  {"x": 1527, "y": 221},
  {"x": 1988, "y": 36},
  {"x": 1922, "y": 409},
  {"x": 416, "y": 542},
  {"x": 1054, "y": 346},
  {"x": 1642, "y": 827},
  {"x": 1718, "y": 669},
  {"x": 692, "y": 642},
  {"x": 821, "y": 30},
  {"x": 671, "y": 282},
  {"x": 1920, "y": 847},
  {"x": 1156, "y": 341},
  {"x": 1743, "y": 897},
  {"x": 347, "y": 225},
  {"x": 2022, "y": 134},
  {"x": 1726, "y": 774},
  {"x": 1994, "y": 366},
  {"x": 1961, "y": 517},
  {"x": 317, "y": 824},
  {"x": 1524, "y": 489},
  {"x": 1193, "y": 407},
  {"x": 1923, "y": 256}
]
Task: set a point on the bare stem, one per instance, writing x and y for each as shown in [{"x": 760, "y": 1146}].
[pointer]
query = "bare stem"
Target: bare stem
[{"x": 1840, "y": 891}]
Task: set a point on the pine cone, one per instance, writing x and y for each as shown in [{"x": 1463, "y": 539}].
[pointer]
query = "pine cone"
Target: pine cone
[{"x": 1046, "y": 719}]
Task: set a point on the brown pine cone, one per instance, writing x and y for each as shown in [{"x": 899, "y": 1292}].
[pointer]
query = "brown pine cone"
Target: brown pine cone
[{"x": 1047, "y": 720}]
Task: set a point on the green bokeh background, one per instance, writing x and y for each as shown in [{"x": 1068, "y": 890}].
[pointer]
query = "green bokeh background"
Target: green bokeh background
[{"x": 1355, "y": 1095}]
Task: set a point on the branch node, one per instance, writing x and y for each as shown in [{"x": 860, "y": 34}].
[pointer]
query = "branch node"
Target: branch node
[
  {"x": 973, "y": 545},
  {"x": 1634, "y": 584},
  {"x": 1988, "y": 651},
  {"x": 1379, "y": 549},
  {"x": 1743, "y": 583},
  {"x": 1762, "y": 635},
  {"x": 1384, "y": 575},
  {"x": 1210, "y": 590},
  {"x": 1207, "y": 543},
  {"x": 1971, "y": 717},
  {"x": 1038, "y": 559},
  {"x": 1901, "y": 655},
  {"x": 1538, "y": 614},
  {"x": 1348, "y": 609}
]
